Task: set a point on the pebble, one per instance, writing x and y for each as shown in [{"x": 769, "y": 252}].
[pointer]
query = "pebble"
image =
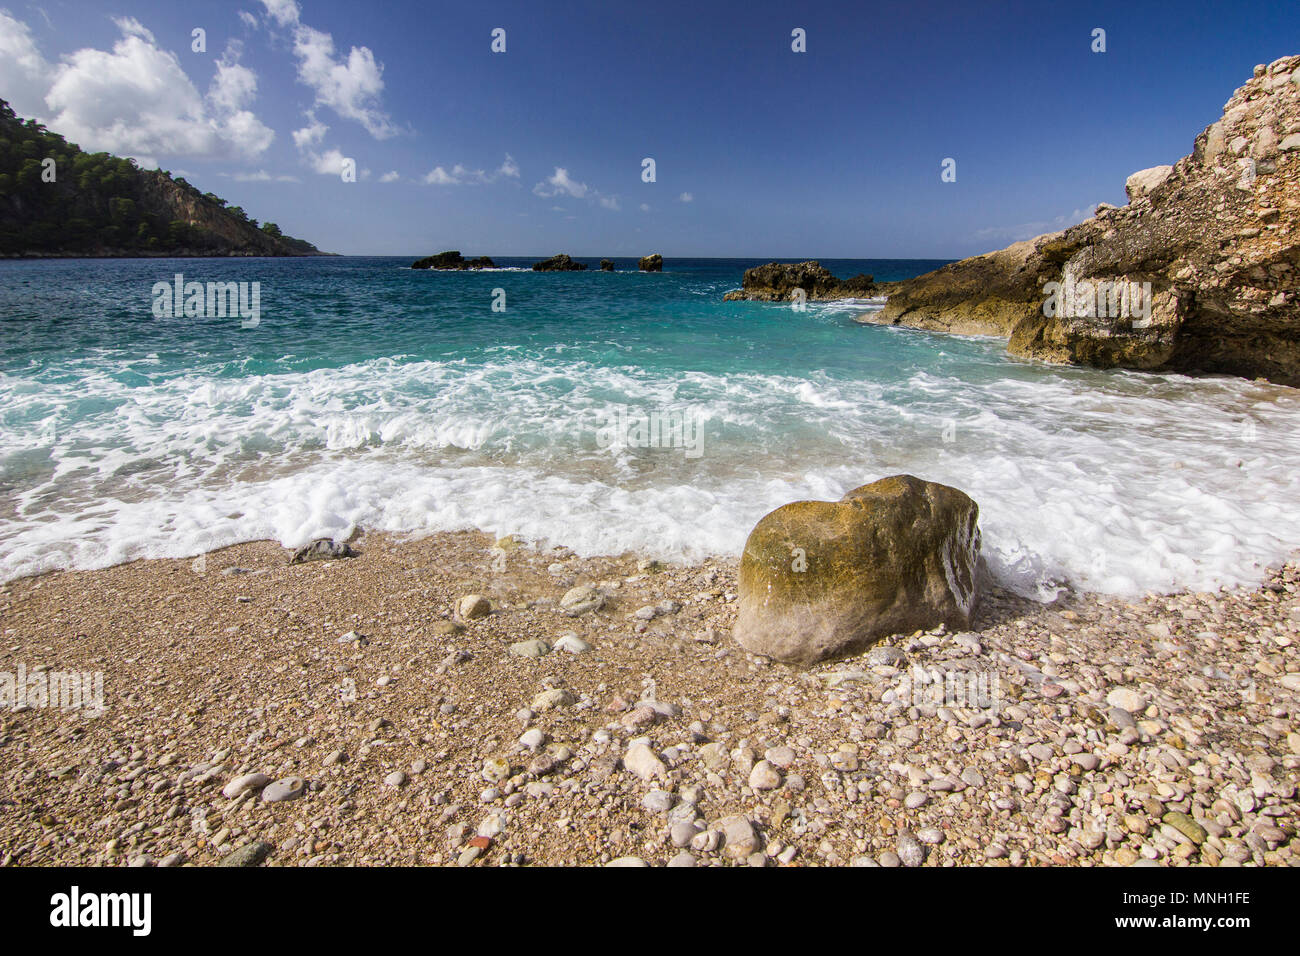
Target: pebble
[
  {"x": 572, "y": 644},
  {"x": 474, "y": 606},
  {"x": 550, "y": 699},
  {"x": 249, "y": 781},
  {"x": 738, "y": 837},
  {"x": 1127, "y": 699},
  {"x": 286, "y": 788},
  {"x": 643, "y": 762},
  {"x": 764, "y": 776},
  {"x": 395, "y": 779},
  {"x": 533, "y": 739},
  {"x": 780, "y": 757},
  {"x": 532, "y": 649},
  {"x": 250, "y": 854},
  {"x": 658, "y": 801},
  {"x": 682, "y": 859},
  {"x": 909, "y": 849},
  {"x": 581, "y": 600}
]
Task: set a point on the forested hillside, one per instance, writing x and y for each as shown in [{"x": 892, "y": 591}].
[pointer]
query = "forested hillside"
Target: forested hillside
[{"x": 57, "y": 200}]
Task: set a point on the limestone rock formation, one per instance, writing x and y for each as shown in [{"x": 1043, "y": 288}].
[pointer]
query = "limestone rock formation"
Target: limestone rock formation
[
  {"x": 777, "y": 282},
  {"x": 651, "y": 263},
  {"x": 1198, "y": 273},
  {"x": 822, "y": 579},
  {"x": 606, "y": 265},
  {"x": 560, "y": 263},
  {"x": 453, "y": 260}
]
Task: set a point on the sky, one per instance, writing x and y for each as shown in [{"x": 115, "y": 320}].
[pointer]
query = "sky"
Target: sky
[{"x": 759, "y": 151}]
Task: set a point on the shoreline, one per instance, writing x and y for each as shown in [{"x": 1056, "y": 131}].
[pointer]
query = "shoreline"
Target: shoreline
[{"x": 458, "y": 747}]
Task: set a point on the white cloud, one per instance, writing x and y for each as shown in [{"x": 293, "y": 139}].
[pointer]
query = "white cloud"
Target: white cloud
[
  {"x": 686, "y": 197},
  {"x": 138, "y": 101},
  {"x": 645, "y": 207},
  {"x": 463, "y": 176},
  {"x": 439, "y": 177},
  {"x": 561, "y": 183},
  {"x": 610, "y": 202},
  {"x": 24, "y": 73},
  {"x": 329, "y": 163},
  {"x": 132, "y": 27},
  {"x": 310, "y": 135},
  {"x": 261, "y": 176},
  {"x": 350, "y": 87},
  {"x": 248, "y": 19},
  {"x": 390, "y": 177},
  {"x": 284, "y": 12}
]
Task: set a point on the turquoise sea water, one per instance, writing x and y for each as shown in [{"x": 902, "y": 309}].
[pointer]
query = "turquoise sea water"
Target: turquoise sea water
[{"x": 373, "y": 394}]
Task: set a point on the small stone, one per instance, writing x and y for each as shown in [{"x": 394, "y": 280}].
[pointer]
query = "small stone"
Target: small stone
[
  {"x": 473, "y": 606},
  {"x": 533, "y": 649},
  {"x": 496, "y": 770},
  {"x": 910, "y": 851},
  {"x": 550, "y": 699},
  {"x": 930, "y": 835},
  {"x": 286, "y": 788},
  {"x": 1186, "y": 826},
  {"x": 682, "y": 859},
  {"x": 582, "y": 599},
  {"x": 658, "y": 801},
  {"x": 1127, "y": 699},
  {"x": 533, "y": 739},
  {"x": 738, "y": 837},
  {"x": 249, "y": 781},
  {"x": 572, "y": 643},
  {"x": 250, "y": 854},
  {"x": 395, "y": 779},
  {"x": 625, "y": 861},
  {"x": 643, "y": 762},
  {"x": 681, "y": 834},
  {"x": 780, "y": 757},
  {"x": 764, "y": 776}
]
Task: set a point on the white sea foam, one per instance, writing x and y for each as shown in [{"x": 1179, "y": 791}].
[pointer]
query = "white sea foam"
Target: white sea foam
[{"x": 1119, "y": 483}]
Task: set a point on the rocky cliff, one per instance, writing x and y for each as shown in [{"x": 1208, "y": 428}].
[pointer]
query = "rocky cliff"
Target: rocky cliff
[{"x": 1199, "y": 272}]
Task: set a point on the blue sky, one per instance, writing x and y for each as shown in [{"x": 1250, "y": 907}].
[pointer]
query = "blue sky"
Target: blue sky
[{"x": 759, "y": 151}]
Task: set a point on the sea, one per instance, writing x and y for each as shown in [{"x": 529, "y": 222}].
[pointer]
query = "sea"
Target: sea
[{"x": 607, "y": 412}]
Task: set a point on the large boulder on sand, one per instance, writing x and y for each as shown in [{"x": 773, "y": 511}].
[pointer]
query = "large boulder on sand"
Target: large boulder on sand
[{"x": 821, "y": 579}]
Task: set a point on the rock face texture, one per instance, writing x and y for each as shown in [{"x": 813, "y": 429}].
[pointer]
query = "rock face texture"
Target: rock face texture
[
  {"x": 822, "y": 579},
  {"x": 1216, "y": 235},
  {"x": 606, "y": 265},
  {"x": 777, "y": 282},
  {"x": 651, "y": 263},
  {"x": 560, "y": 263},
  {"x": 453, "y": 260}
]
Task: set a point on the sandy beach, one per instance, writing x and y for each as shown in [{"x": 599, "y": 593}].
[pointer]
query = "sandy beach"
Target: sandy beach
[{"x": 390, "y": 731}]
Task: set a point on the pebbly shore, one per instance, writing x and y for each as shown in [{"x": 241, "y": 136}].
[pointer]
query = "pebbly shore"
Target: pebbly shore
[{"x": 361, "y": 711}]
